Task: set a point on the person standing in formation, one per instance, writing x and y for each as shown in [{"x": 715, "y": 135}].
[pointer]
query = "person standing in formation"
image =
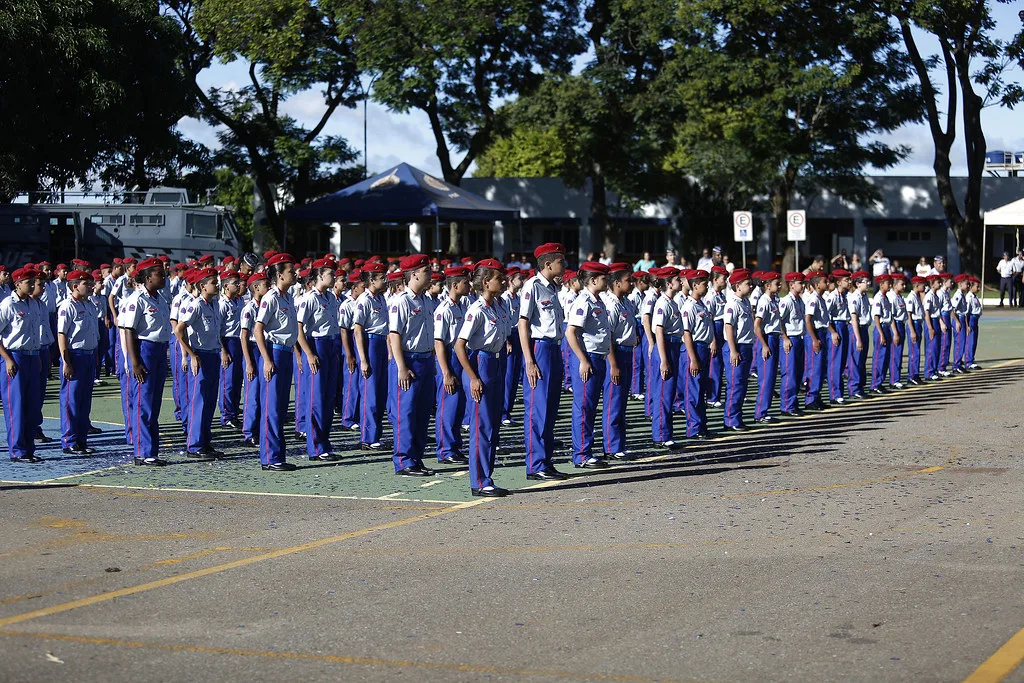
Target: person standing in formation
[
  {"x": 451, "y": 393},
  {"x": 622, "y": 319},
  {"x": 78, "y": 336},
  {"x": 317, "y": 336}
]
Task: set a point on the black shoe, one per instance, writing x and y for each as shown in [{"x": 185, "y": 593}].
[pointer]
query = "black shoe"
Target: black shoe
[
  {"x": 30, "y": 459},
  {"x": 43, "y": 438},
  {"x": 621, "y": 456},
  {"x": 700, "y": 436},
  {"x": 669, "y": 445},
  {"x": 250, "y": 441},
  {"x": 457, "y": 459},
  {"x": 279, "y": 467},
  {"x": 550, "y": 474},
  {"x": 95, "y": 430},
  {"x": 791, "y": 413},
  {"x": 593, "y": 464},
  {"x": 738, "y": 428},
  {"x": 916, "y": 382},
  {"x": 376, "y": 446},
  {"x": 559, "y": 443},
  {"x": 234, "y": 424},
  {"x": 301, "y": 436},
  {"x": 199, "y": 457},
  {"x": 490, "y": 492},
  {"x": 211, "y": 451},
  {"x": 817, "y": 406},
  {"x": 325, "y": 457},
  {"x": 881, "y": 390},
  {"x": 767, "y": 419},
  {"x": 415, "y": 471},
  {"x": 151, "y": 462},
  {"x": 79, "y": 449}
]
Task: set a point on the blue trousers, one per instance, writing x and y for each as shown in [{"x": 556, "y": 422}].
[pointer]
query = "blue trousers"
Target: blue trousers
[
  {"x": 896, "y": 355},
  {"x": 485, "y": 416},
  {"x": 663, "y": 392},
  {"x": 274, "y": 395},
  {"x": 319, "y": 393},
  {"x": 250, "y": 401},
  {"x": 932, "y": 345},
  {"x": 859, "y": 362},
  {"x": 301, "y": 379},
  {"x": 411, "y": 409},
  {"x": 972, "y": 339},
  {"x": 767, "y": 372},
  {"x": 714, "y": 390},
  {"x": 123, "y": 368},
  {"x": 451, "y": 408},
  {"x": 816, "y": 364},
  {"x": 513, "y": 375},
  {"x": 791, "y": 370},
  {"x": 946, "y": 341},
  {"x": 649, "y": 350},
  {"x": 736, "y": 382},
  {"x": 880, "y": 358},
  {"x": 614, "y": 414},
  {"x": 960, "y": 342},
  {"x": 375, "y": 389},
  {"x": 147, "y": 398},
  {"x": 111, "y": 360},
  {"x": 44, "y": 380},
  {"x": 540, "y": 406},
  {"x": 76, "y": 398},
  {"x": 636, "y": 385},
  {"x": 585, "y": 396},
  {"x": 202, "y": 401},
  {"x": 838, "y": 356},
  {"x": 177, "y": 380},
  {"x": 101, "y": 349},
  {"x": 20, "y": 396},
  {"x": 566, "y": 352},
  {"x": 914, "y": 350},
  {"x": 350, "y": 406},
  {"x": 695, "y": 389},
  {"x": 339, "y": 384},
  {"x": 231, "y": 380}
]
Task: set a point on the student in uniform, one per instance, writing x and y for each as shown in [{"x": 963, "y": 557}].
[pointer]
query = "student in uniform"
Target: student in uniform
[
  {"x": 647, "y": 332},
  {"x": 540, "y": 334},
  {"x": 203, "y": 353},
  {"x": 231, "y": 373},
  {"x": 933, "y": 325},
  {"x": 178, "y": 380},
  {"x": 47, "y": 342},
  {"x": 370, "y": 329},
  {"x": 915, "y": 328},
  {"x": 275, "y": 332},
  {"x": 699, "y": 347},
  {"x": 78, "y": 336},
  {"x": 350, "y": 370},
  {"x": 257, "y": 286},
  {"x": 341, "y": 295},
  {"x": 20, "y": 324},
  {"x": 839, "y": 354},
  {"x": 820, "y": 337},
  {"x": 947, "y": 331},
  {"x": 481, "y": 348},
  {"x": 146, "y": 323},
  {"x": 899, "y": 324},
  {"x": 860, "y": 319},
  {"x": 641, "y": 282},
  {"x": 449, "y": 390},
  {"x": 571, "y": 287},
  {"x": 668, "y": 334},
  {"x": 300, "y": 376},
  {"x": 318, "y": 332},
  {"x": 974, "y": 310},
  {"x": 622, "y": 318},
  {"x": 588, "y": 334},
  {"x": 767, "y": 322},
  {"x": 411, "y": 369},
  {"x": 103, "y": 315},
  {"x": 958, "y": 306},
  {"x": 739, "y": 347},
  {"x": 514, "y": 366},
  {"x": 714, "y": 301},
  {"x": 792, "y": 323},
  {"x": 881, "y": 312}
]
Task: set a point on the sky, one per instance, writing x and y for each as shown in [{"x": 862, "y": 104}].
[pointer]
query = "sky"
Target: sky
[{"x": 394, "y": 138}]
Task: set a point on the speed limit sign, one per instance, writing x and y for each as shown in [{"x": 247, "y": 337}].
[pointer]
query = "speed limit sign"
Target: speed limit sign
[
  {"x": 743, "y": 226},
  {"x": 796, "y": 225}
]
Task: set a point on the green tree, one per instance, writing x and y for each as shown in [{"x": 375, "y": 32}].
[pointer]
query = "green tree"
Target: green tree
[
  {"x": 525, "y": 153},
  {"x": 236, "y": 191},
  {"x": 972, "y": 68}
]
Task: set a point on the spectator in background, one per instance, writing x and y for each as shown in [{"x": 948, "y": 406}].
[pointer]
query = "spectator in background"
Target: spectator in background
[
  {"x": 839, "y": 261},
  {"x": 897, "y": 269},
  {"x": 923, "y": 269},
  {"x": 513, "y": 261},
  {"x": 855, "y": 263},
  {"x": 1017, "y": 292},
  {"x": 705, "y": 262},
  {"x": 1005, "y": 270},
  {"x": 603, "y": 260},
  {"x": 938, "y": 265},
  {"x": 716, "y": 256},
  {"x": 670, "y": 258},
  {"x": 684, "y": 263},
  {"x": 879, "y": 263},
  {"x": 817, "y": 263},
  {"x": 644, "y": 264},
  {"x": 728, "y": 265}
]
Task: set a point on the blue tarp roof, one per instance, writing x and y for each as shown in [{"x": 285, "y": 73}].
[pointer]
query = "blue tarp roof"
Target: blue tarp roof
[{"x": 402, "y": 193}]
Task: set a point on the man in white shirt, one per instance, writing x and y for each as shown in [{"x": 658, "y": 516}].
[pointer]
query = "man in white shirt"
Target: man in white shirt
[
  {"x": 1005, "y": 269},
  {"x": 879, "y": 263},
  {"x": 1017, "y": 287},
  {"x": 705, "y": 262}
]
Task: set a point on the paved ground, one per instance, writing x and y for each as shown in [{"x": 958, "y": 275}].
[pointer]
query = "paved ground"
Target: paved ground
[{"x": 878, "y": 541}]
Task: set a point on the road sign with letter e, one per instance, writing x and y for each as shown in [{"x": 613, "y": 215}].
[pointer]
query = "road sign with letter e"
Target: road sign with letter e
[
  {"x": 796, "y": 225},
  {"x": 743, "y": 226}
]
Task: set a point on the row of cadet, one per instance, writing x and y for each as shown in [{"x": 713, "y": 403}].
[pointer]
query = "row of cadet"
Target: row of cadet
[{"x": 370, "y": 341}]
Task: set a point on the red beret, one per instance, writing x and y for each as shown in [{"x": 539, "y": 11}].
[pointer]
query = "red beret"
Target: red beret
[
  {"x": 330, "y": 257},
  {"x": 770, "y": 275},
  {"x": 898, "y": 276},
  {"x": 395, "y": 276},
  {"x": 359, "y": 262},
  {"x": 756, "y": 275},
  {"x": 306, "y": 261},
  {"x": 839, "y": 273},
  {"x": 861, "y": 275},
  {"x": 61, "y": 266},
  {"x": 43, "y": 263},
  {"x": 204, "y": 273},
  {"x": 973, "y": 280},
  {"x": 491, "y": 264},
  {"x": 206, "y": 258},
  {"x": 393, "y": 259},
  {"x": 304, "y": 273},
  {"x": 815, "y": 274},
  {"x": 228, "y": 259},
  {"x": 277, "y": 259},
  {"x": 344, "y": 261},
  {"x": 883, "y": 278},
  {"x": 374, "y": 267},
  {"x": 79, "y": 275},
  {"x": 373, "y": 259},
  {"x": 128, "y": 260},
  {"x": 148, "y": 263},
  {"x": 739, "y": 275},
  {"x": 457, "y": 271},
  {"x": 945, "y": 276},
  {"x": 549, "y": 248},
  {"x": 933, "y": 277},
  {"x": 180, "y": 267},
  {"x": 594, "y": 267},
  {"x": 414, "y": 261},
  {"x": 118, "y": 261},
  {"x": 3, "y": 269},
  {"x": 569, "y": 274},
  {"x": 640, "y": 274},
  {"x": 795, "y": 277},
  {"x": 229, "y": 275},
  {"x": 514, "y": 270},
  {"x": 97, "y": 274},
  {"x": 164, "y": 258},
  {"x": 685, "y": 273},
  {"x": 79, "y": 262},
  {"x": 23, "y": 274},
  {"x": 355, "y": 276},
  {"x": 269, "y": 253},
  {"x": 698, "y": 275},
  {"x": 104, "y": 266},
  {"x": 719, "y": 270},
  {"x": 322, "y": 263},
  {"x": 616, "y": 267},
  {"x": 254, "y": 278},
  {"x": 436, "y": 276},
  {"x": 918, "y": 280},
  {"x": 962, "y": 277}
]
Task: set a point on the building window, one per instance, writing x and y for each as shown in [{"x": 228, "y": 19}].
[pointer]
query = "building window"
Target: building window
[
  {"x": 388, "y": 240},
  {"x": 479, "y": 241}
]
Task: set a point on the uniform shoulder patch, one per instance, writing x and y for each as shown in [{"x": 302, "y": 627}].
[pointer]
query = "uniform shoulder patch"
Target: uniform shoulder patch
[
  {"x": 469, "y": 316},
  {"x": 526, "y": 295},
  {"x": 579, "y": 311},
  {"x": 394, "y": 309}
]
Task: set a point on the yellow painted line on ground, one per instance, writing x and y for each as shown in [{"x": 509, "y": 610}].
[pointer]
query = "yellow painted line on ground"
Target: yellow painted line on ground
[
  {"x": 115, "y": 487},
  {"x": 432, "y": 483},
  {"x": 339, "y": 659},
  {"x": 1002, "y": 663},
  {"x": 216, "y": 569},
  {"x": 83, "y": 474}
]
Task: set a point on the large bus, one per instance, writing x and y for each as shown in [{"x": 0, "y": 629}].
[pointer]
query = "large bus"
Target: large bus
[{"x": 159, "y": 221}]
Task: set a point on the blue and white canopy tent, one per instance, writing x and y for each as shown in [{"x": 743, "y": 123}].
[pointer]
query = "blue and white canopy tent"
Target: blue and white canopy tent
[{"x": 403, "y": 194}]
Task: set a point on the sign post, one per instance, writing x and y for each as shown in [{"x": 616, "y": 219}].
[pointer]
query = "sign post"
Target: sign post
[
  {"x": 743, "y": 230},
  {"x": 796, "y": 232}
]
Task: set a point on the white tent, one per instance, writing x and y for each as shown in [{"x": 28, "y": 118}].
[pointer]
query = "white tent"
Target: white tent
[{"x": 1009, "y": 215}]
